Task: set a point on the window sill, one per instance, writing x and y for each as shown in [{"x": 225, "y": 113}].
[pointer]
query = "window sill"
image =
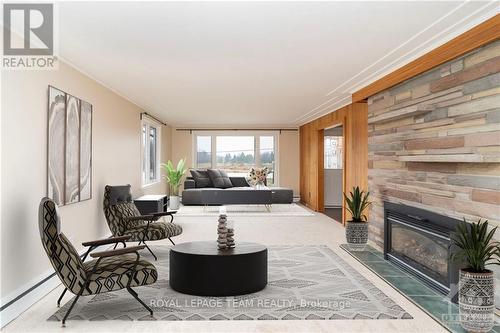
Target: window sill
[{"x": 151, "y": 184}]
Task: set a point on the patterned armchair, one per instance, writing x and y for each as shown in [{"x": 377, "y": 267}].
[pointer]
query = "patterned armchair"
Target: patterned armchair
[
  {"x": 124, "y": 219},
  {"x": 109, "y": 271}
]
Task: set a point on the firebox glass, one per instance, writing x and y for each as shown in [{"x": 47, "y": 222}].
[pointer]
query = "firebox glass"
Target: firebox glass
[{"x": 422, "y": 250}]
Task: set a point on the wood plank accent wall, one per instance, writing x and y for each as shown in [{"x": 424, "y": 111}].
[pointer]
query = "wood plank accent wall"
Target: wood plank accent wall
[
  {"x": 434, "y": 141},
  {"x": 478, "y": 36},
  {"x": 354, "y": 118}
]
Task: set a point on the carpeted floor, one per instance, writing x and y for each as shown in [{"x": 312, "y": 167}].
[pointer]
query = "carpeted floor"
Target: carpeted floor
[
  {"x": 246, "y": 210},
  {"x": 305, "y": 283}
]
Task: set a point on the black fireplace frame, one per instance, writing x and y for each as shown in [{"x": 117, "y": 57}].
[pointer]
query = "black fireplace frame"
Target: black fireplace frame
[{"x": 428, "y": 221}]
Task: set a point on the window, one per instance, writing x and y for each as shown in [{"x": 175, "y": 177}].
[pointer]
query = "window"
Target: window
[
  {"x": 237, "y": 152},
  {"x": 150, "y": 149},
  {"x": 204, "y": 152},
  {"x": 267, "y": 157},
  {"x": 333, "y": 152}
]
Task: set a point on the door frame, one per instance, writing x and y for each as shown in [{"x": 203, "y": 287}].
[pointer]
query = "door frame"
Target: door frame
[{"x": 321, "y": 167}]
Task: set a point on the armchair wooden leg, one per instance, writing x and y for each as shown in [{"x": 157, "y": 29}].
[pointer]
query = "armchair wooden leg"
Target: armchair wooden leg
[
  {"x": 133, "y": 293},
  {"x": 61, "y": 297}
]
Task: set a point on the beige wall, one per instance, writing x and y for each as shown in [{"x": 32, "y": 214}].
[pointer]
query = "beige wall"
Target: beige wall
[
  {"x": 116, "y": 160},
  {"x": 289, "y": 166},
  {"x": 288, "y": 142},
  {"x": 182, "y": 146}
]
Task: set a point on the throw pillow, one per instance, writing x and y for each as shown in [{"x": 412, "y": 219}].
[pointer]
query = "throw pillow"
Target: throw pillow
[
  {"x": 201, "y": 178},
  {"x": 239, "y": 181},
  {"x": 219, "y": 178},
  {"x": 257, "y": 176}
]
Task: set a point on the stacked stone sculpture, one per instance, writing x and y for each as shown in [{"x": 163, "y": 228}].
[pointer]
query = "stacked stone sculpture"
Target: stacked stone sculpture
[
  {"x": 230, "y": 237},
  {"x": 225, "y": 239},
  {"x": 222, "y": 232}
]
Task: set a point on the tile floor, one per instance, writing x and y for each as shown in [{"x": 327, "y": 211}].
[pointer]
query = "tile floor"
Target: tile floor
[{"x": 429, "y": 300}]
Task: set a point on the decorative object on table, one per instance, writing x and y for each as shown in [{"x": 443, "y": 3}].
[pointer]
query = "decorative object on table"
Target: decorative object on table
[
  {"x": 174, "y": 179},
  {"x": 124, "y": 218},
  {"x": 356, "y": 230},
  {"x": 222, "y": 231},
  {"x": 476, "y": 289},
  {"x": 69, "y": 165},
  {"x": 257, "y": 177},
  {"x": 230, "y": 235}
]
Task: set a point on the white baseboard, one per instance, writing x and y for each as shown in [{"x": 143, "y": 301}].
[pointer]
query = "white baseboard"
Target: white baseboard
[
  {"x": 24, "y": 302},
  {"x": 24, "y": 297}
]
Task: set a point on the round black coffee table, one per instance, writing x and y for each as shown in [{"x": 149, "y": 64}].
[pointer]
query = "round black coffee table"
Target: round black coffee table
[{"x": 199, "y": 268}]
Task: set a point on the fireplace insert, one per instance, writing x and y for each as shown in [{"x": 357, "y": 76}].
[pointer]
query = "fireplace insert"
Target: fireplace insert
[{"x": 420, "y": 242}]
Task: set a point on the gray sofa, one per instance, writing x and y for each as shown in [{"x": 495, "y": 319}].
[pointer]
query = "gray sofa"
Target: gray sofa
[{"x": 239, "y": 193}]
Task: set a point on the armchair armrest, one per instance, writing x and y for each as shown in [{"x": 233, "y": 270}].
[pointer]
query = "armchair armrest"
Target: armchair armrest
[
  {"x": 164, "y": 214},
  {"x": 105, "y": 241},
  {"x": 149, "y": 217},
  {"x": 111, "y": 253}
]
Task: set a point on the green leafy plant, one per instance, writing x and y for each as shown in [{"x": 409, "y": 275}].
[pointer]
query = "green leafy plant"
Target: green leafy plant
[
  {"x": 476, "y": 246},
  {"x": 174, "y": 175},
  {"x": 357, "y": 202}
]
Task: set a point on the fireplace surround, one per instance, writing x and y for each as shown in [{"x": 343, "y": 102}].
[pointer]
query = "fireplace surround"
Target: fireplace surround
[{"x": 419, "y": 241}]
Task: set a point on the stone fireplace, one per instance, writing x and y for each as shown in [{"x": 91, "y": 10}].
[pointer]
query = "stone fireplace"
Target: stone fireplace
[
  {"x": 434, "y": 145},
  {"x": 420, "y": 241}
]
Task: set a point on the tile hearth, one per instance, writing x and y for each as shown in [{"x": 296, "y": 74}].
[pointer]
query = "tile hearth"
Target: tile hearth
[{"x": 432, "y": 302}]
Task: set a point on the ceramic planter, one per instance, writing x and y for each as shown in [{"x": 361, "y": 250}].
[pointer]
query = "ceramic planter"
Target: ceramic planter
[
  {"x": 476, "y": 295},
  {"x": 356, "y": 234},
  {"x": 174, "y": 202}
]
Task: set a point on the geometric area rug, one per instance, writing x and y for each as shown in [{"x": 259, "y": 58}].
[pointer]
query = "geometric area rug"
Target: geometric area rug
[{"x": 308, "y": 282}]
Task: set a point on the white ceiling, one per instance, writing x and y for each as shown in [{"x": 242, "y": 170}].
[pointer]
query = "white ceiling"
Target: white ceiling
[{"x": 260, "y": 63}]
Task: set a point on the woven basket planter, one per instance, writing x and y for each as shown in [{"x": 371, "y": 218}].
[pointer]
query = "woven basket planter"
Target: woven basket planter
[
  {"x": 356, "y": 234},
  {"x": 476, "y": 300}
]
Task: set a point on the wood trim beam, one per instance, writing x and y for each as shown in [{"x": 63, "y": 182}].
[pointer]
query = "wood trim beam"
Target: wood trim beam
[
  {"x": 354, "y": 119},
  {"x": 480, "y": 35}
]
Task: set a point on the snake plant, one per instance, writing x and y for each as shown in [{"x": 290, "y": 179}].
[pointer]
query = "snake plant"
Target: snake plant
[
  {"x": 357, "y": 202},
  {"x": 476, "y": 246}
]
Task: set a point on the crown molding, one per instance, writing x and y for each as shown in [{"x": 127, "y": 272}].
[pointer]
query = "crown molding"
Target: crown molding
[
  {"x": 424, "y": 42},
  {"x": 465, "y": 38},
  {"x": 323, "y": 111}
]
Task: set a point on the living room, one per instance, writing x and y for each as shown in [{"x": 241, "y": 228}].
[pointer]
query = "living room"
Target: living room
[{"x": 250, "y": 166}]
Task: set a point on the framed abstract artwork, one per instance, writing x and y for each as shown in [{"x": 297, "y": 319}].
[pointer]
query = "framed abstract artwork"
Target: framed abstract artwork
[{"x": 69, "y": 153}]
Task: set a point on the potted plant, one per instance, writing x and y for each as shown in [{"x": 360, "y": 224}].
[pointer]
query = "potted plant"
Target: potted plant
[
  {"x": 476, "y": 290},
  {"x": 356, "y": 230},
  {"x": 174, "y": 178}
]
